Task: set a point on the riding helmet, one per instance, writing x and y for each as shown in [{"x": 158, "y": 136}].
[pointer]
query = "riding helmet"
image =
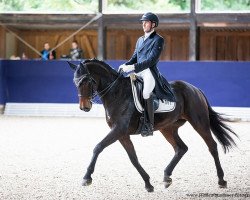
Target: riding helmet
[{"x": 150, "y": 17}]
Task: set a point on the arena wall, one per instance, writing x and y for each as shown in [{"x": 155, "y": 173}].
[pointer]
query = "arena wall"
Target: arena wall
[{"x": 225, "y": 84}]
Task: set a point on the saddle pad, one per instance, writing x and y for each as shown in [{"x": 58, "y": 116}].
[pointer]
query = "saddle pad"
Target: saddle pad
[{"x": 164, "y": 105}]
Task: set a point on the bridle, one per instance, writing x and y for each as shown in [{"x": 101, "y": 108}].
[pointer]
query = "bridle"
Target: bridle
[{"x": 92, "y": 82}]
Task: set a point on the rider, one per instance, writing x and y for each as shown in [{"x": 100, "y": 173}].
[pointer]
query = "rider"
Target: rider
[{"x": 144, "y": 60}]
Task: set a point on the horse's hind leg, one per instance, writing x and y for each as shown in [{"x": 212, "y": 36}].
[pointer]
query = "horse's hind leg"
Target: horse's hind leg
[
  {"x": 129, "y": 147},
  {"x": 203, "y": 128},
  {"x": 171, "y": 134}
]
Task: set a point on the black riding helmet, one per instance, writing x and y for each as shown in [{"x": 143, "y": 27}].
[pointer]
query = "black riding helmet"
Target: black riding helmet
[{"x": 150, "y": 17}]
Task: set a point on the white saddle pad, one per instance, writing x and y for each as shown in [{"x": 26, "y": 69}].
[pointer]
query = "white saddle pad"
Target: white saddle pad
[{"x": 164, "y": 106}]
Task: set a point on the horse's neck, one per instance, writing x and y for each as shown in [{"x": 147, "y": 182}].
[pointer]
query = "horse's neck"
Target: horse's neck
[
  {"x": 107, "y": 80},
  {"x": 117, "y": 95},
  {"x": 106, "y": 86}
]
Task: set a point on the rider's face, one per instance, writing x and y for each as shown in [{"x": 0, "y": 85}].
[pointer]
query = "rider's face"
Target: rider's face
[{"x": 147, "y": 26}]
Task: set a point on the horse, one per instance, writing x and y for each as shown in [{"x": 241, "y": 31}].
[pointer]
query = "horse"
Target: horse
[{"x": 94, "y": 77}]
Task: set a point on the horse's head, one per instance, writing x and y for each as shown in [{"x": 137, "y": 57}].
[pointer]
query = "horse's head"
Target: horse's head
[
  {"x": 85, "y": 85},
  {"x": 93, "y": 76}
]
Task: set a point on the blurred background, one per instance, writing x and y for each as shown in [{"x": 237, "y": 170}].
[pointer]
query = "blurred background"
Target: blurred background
[{"x": 207, "y": 43}]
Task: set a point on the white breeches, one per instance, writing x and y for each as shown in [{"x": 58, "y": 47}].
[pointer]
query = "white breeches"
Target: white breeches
[{"x": 149, "y": 82}]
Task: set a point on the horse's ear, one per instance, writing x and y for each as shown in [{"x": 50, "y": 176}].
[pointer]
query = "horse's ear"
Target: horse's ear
[
  {"x": 82, "y": 66},
  {"x": 72, "y": 66}
]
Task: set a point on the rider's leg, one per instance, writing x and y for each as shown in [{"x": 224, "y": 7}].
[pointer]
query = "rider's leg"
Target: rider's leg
[
  {"x": 149, "y": 116},
  {"x": 148, "y": 81},
  {"x": 149, "y": 85}
]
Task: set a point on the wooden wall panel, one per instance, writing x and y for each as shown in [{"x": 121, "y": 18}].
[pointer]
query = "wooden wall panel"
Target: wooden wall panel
[
  {"x": 214, "y": 44},
  {"x": 130, "y": 38},
  {"x": 231, "y": 45},
  {"x": 120, "y": 43},
  {"x": 2, "y": 42},
  {"x": 220, "y": 47},
  {"x": 177, "y": 45},
  {"x": 87, "y": 40},
  {"x": 166, "y": 55},
  {"x": 207, "y": 50},
  {"x": 243, "y": 48},
  {"x": 231, "y": 48},
  {"x": 116, "y": 45}
]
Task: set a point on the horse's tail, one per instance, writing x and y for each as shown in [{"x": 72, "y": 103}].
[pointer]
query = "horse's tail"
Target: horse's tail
[{"x": 220, "y": 129}]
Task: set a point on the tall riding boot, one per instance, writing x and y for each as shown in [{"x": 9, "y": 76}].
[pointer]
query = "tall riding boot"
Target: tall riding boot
[{"x": 148, "y": 126}]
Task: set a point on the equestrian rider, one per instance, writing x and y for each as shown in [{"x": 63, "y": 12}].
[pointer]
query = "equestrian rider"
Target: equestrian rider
[{"x": 144, "y": 60}]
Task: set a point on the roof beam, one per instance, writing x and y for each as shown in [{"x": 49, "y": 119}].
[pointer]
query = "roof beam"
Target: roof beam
[{"x": 74, "y": 21}]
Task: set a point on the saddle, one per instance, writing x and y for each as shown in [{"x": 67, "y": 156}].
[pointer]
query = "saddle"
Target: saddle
[{"x": 160, "y": 105}]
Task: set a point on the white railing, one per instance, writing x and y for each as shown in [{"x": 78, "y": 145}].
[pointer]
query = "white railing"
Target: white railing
[{"x": 72, "y": 110}]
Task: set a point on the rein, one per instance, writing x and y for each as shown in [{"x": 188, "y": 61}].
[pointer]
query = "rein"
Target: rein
[
  {"x": 102, "y": 93},
  {"x": 108, "y": 88}
]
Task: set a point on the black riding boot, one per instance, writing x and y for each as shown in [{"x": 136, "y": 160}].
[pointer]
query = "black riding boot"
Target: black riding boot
[{"x": 148, "y": 126}]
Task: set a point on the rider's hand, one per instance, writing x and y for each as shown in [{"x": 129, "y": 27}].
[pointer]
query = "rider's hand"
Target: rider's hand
[
  {"x": 121, "y": 67},
  {"x": 127, "y": 68}
]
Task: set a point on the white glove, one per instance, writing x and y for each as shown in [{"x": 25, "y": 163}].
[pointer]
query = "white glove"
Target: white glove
[
  {"x": 127, "y": 68},
  {"x": 121, "y": 67}
]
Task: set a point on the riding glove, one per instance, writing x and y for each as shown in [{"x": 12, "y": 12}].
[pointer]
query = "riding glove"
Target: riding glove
[{"x": 127, "y": 68}]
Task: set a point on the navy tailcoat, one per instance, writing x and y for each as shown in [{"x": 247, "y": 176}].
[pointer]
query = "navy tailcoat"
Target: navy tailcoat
[{"x": 146, "y": 55}]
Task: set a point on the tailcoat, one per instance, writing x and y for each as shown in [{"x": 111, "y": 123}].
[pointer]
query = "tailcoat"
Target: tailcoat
[{"x": 146, "y": 55}]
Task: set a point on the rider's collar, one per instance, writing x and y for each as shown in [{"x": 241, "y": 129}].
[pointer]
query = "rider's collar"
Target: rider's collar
[{"x": 146, "y": 35}]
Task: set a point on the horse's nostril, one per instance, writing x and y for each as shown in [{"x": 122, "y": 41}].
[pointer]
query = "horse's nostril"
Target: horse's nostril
[{"x": 86, "y": 109}]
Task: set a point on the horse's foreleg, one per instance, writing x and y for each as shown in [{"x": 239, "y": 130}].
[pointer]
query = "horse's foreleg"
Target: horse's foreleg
[
  {"x": 129, "y": 147},
  {"x": 180, "y": 149},
  {"x": 113, "y": 136}
]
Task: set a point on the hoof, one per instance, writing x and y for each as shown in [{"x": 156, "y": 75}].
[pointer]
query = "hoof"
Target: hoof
[
  {"x": 222, "y": 184},
  {"x": 167, "y": 182},
  {"x": 150, "y": 188},
  {"x": 86, "y": 182}
]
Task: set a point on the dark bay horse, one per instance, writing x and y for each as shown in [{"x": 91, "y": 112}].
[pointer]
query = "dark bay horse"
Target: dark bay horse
[{"x": 96, "y": 77}]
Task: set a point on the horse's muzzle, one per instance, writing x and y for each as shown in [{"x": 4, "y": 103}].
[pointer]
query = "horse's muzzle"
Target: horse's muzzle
[
  {"x": 85, "y": 104},
  {"x": 85, "y": 109}
]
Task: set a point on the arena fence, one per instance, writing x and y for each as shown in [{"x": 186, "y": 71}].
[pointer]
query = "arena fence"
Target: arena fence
[
  {"x": 40, "y": 85},
  {"x": 72, "y": 110}
]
